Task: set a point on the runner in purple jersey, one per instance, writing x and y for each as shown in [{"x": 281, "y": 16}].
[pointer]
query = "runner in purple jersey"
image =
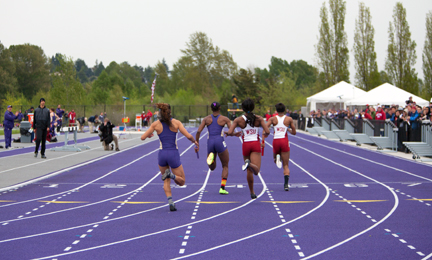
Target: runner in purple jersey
[
  {"x": 215, "y": 143},
  {"x": 168, "y": 157}
]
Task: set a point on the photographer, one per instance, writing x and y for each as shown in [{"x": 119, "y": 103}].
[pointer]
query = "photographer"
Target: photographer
[{"x": 107, "y": 135}]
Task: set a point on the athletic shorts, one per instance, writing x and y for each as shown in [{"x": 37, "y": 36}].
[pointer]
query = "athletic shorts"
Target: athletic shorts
[
  {"x": 249, "y": 147},
  {"x": 216, "y": 145},
  {"x": 281, "y": 145},
  {"x": 169, "y": 158}
]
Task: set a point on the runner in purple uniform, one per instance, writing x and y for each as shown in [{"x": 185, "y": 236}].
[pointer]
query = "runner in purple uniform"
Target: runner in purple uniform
[
  {"x": 215, "y": 143},
  {"x": 168, "y": 157}
]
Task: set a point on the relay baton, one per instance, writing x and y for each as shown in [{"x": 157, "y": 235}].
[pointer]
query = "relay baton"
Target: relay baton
[
  {"x": 262, "y": 149},
  {"x": 197, "y": 152}
]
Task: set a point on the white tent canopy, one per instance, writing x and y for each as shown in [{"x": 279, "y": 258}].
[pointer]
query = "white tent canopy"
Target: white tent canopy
[
  {"x": 335, "y": 96},
  {"x": 386, "y": 94}
]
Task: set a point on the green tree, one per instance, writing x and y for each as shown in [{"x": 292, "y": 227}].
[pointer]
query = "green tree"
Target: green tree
[
  {"x": 66, "y": 88},
  {"x": 247, "y": 85},
  {"x": 31, "y": 69},
  {"x": 98, "y": 68},
  {"x": 162, "y": 82},
  {"x": 401, "y": 54},
  {"x": 101, "y": 88},
  {"x": 8, "y": 83},
  {"x": 332, "y": 48},
  {"x": 213, "y": 65},
  {"x": 367, "y": 75},
  {"x": 427, "y": 58}
]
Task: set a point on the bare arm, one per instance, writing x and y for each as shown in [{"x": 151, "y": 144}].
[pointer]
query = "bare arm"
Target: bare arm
[
  {"x": 266, "y": 130},
  {"x": 198, "y": 134},
  {"x": 185, "y": 132},
  {"x": 291, "y": 128},
  {"x": 232, "y": 127},
  {"x": 149, "y": 132}
]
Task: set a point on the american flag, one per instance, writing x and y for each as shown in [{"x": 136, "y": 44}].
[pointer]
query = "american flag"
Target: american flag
[{"x": 153, "y": 88}]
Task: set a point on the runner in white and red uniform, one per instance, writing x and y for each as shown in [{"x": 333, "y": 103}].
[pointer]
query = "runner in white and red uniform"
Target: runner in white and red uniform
[
  {"x": 282, "y": 124},
  {"x": 250, "y": 124}
]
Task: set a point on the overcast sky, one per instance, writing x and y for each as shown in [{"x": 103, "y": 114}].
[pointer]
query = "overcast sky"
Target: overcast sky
[{"x": 144, "y": 32}]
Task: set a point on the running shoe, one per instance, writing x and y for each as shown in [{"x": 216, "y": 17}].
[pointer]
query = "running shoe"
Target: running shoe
[
  {"x": 172, "y": 207},
  {"x": 166, "y": 174},
  {"x": 278, "y": 161},
  {"x": 246, "y": 165},
  {"x": 35, "y": 155},
  {"x": 210, "y": 158},
  {"x": 43, "y": 156},
  {"x": 253, "y": 196},
  {"x": 222, "y": 191},
  {"x": 286, "y": 187}
]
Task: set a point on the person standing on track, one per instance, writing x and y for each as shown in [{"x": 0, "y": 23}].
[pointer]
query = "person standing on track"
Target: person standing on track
[
  {"x": 8, "y": 124},
  {"x": 250, "y": 124},
  {"x": 282, "y": 124},
  {"x": 41, "y": 124},
  {"x": 215, "y": 143},
  {"x": 167, "y": 129}
]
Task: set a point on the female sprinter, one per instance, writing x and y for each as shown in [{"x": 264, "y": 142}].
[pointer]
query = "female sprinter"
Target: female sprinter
[
  {"x": 281, "y": 148},
  {"x": 215, "y": 142},
  {"x": 250, "y": 123},
  {"x": 167, "y": 129}
]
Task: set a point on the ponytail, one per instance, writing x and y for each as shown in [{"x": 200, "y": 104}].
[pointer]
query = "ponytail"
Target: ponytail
[
  {"x": 248, "y": 106},
  {"x": 165, "y": 113}
]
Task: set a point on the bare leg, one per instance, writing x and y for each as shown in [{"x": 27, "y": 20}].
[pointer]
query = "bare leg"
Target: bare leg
[
  {"x": 285, "y": 161},
  {"x": 167, "y": 182},
  {"x": 224, "y": 158},
  {"x": 213, "y": 165},
  {"x": 253, "y": 168},
  {"x": 180, "y": 176}
]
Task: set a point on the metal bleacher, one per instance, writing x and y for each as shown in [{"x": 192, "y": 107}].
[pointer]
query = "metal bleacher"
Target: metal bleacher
[
  {"x": 390, "y": 138},
  {"x": 368, "y": 131},
  {"x": 423, "y": 148},
  {"x": 343, "y": 134}
]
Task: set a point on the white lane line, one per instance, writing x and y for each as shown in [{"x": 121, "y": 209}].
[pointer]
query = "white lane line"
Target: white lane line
[
  {"x": 359, "y": 157},
  {"x": 427, "y": 257},
  {"x": 173, "y": 228},
  {"x": 367, "y": 177},
  {"x": 75, "y": 242},
  {"x": 58, "y": 172},
  {"x": 98, "y": 202}
]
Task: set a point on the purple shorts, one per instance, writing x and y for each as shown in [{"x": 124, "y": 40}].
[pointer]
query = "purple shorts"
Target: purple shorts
[
  {"x": 216, "y": 145},
  {"x": 169, "y": 158}
]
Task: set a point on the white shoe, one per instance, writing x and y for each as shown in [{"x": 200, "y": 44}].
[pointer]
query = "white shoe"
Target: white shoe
[
  {"x": 278, "y": 161},
  {"x": 246, "y": 165}
]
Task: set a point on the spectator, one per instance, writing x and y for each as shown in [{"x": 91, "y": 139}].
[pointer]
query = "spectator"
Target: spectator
[
  {"x": 356, "y": 114},
  {"x": 366, "y": 115},
  {"x": 149, "y": 117},
  {"x": 143, "y": 119},
  {"x": 91, "y": 122},
  {"x": 235, "y": 101},
  {"x": 424, "y": 114},
  {"x": 156, "y": 116},
  {"x": 53, "y": 124},
  {"x": 59, "y": 112},
  {"x": 8, "y": 124},
  {"x": 372, "y": 112},
  {"x": 41, "y": 124},
  {"x": 409, "y": 101},
  {"x": 72, "y": 118},
  {"x": 107, "y": 135},
  {"x": 101, "y": 117},
  {"x": 80, "y": 124},
  {"x": 301, "y": 120},
  {"x": 267, "y": 115},
  {"x": 288, "y": 113},
  {"x": 20, "y": 117},
  {"x": 413, "y": 118},
  {"x": 380, "y": 115},
  {"x": 295, "y": 117},
  {"x": 28, "y": 111}
]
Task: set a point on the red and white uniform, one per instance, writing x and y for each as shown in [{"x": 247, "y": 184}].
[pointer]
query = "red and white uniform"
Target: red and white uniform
[
  {"x": 280, "y": 140},
  {"x": 250, "y": 138}
]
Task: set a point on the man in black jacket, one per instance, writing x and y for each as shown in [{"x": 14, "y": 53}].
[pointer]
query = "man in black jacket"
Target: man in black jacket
[
  {"x": 41, "y": 124},
  {"x": 107, "y": 135}
]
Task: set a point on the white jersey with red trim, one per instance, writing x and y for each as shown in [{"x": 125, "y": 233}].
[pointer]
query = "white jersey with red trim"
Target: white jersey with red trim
[
  {"x": 250, "y": 133},
  {"x": 280, "y": 129}
]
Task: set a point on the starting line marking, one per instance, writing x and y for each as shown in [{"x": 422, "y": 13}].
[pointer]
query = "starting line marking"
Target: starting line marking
[
  {"x": 137, "y": 202},
  {"x": 213, "y": 202},
  {"x": 287, "y": 202},
  {"x": 60, "y": 202},
  {"x": 360, "y": 201}
]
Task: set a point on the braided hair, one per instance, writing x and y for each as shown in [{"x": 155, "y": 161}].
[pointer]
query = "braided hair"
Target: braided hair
[
  {"x": 215, "y": 106},
  {"x": 165, "y": 113},
  {"x": 248, "y": 106}
]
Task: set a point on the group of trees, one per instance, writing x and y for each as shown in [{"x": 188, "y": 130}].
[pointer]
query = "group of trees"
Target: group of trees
[
  {"x": 205, "y": 73},
  {"x": 332, "y": 51}
]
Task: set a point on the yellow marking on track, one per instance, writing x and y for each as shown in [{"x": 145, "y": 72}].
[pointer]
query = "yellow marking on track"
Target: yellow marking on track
[
  {"x": 138, "y": 202},
  {"x": 63, "y": 202},
  {"x": 7, "y": 200},
  {"x": 359, "y": 201},
  {"x": 213, "y": 202},
  {"x": 421, "y": 199},
  {"x": 288, "y": 202}
]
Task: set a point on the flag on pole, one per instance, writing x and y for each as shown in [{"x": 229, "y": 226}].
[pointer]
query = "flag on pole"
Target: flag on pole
[{"x": 153, "y": 88}]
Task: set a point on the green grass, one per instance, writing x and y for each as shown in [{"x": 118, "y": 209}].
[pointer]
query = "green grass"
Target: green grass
[{"x": 14, "y": 131}]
